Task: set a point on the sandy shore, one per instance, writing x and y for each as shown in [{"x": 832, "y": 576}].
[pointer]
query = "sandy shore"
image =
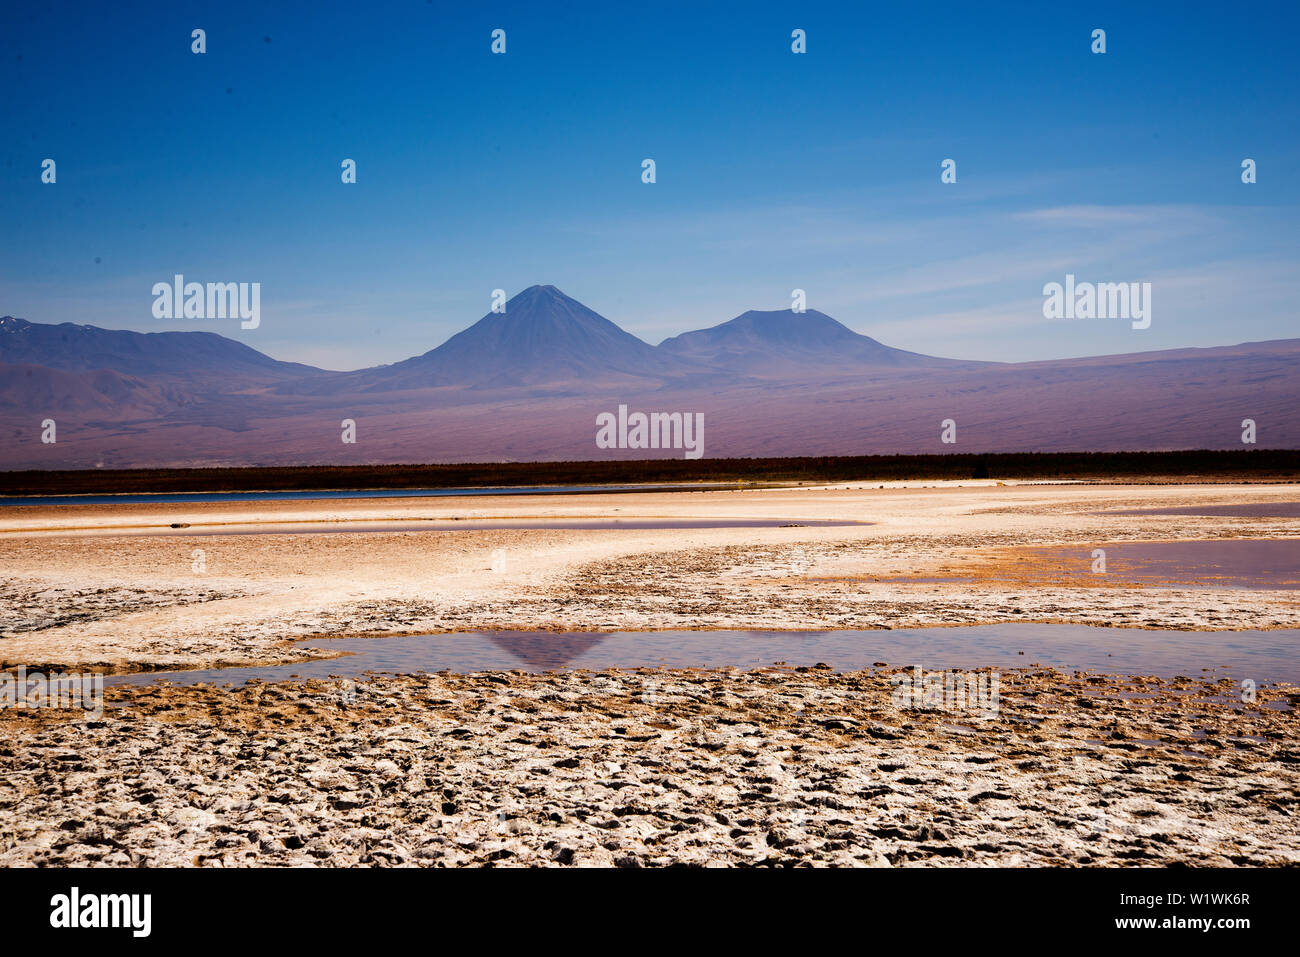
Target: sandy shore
[{"x": 632, "y": 768}]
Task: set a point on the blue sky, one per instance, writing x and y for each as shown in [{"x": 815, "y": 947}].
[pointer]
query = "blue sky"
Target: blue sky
[{"x": 819, "y": 171}]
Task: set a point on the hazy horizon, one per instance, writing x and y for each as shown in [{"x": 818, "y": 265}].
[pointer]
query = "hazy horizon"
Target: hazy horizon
[{"x": 204, "y": 326}]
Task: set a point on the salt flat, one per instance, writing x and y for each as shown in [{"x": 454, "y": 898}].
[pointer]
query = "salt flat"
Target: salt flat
[
  {"x": 936, "y": 554},
  {"x": 649, "y": 766}
]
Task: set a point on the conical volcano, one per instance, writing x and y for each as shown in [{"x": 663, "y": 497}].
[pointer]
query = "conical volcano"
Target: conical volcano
[{"x": 543, "y": 336}]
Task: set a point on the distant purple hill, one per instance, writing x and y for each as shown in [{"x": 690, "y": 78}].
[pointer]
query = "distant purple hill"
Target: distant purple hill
[
  {"x": 781, "y": 343},
  {"x": 528, "y": 384},
  {"x": 202, "y": 359}
]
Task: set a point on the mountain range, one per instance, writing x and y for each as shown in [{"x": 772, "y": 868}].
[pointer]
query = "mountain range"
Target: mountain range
[{"x": 527, "y": 383}]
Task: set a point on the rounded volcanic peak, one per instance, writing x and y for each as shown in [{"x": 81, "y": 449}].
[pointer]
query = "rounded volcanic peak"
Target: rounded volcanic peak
[
  {"x": 783, "y": 343},
  {"x": 781, "y": 326}
]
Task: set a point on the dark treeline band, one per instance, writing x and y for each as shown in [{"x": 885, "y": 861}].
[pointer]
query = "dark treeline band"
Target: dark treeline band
[{"x": 1237, "y": 464}]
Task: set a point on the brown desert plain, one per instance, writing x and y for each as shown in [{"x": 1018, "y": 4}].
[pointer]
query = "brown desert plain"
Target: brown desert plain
[{"x": 782, "y": 765}]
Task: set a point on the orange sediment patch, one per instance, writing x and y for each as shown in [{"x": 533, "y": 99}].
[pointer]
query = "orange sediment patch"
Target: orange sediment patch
[{"x": 1204, "y": 563}]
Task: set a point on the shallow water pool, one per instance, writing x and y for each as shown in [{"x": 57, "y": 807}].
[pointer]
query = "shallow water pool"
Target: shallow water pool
[{"x": 1262, "y": 656}]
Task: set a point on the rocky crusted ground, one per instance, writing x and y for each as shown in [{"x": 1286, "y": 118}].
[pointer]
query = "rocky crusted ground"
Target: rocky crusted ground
[
  {"x": 32, "y": 604},
  {"x": 648, "y": 767},
  {"x": 645, "y": 768}
]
